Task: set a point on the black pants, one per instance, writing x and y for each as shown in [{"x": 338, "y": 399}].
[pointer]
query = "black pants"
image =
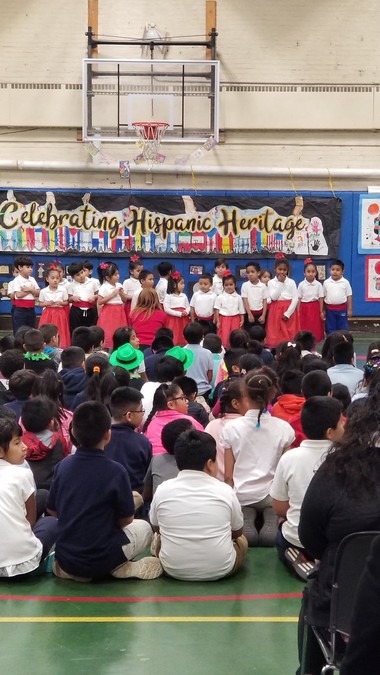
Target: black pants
[
  {"x": 23, "y": 316},
  {"x": 82, "y": 317}
]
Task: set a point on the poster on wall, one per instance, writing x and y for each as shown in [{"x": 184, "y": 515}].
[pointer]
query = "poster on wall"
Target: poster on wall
[
  {"x": 369, "y": 224},
  {"x": 121, "y": 222},
  {"x": 373, "y": 278}
]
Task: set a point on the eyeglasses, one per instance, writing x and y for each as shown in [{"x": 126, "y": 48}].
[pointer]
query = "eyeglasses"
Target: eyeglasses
[
  {"x": 179, "y": 398},
  {"x": 135, "y": 411}
]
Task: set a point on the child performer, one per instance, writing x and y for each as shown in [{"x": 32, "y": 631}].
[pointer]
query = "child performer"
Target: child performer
[
  {"x": 255, "y": 296},
  {"x": 54, "y": 299},
  {"x": 111, "y": 298},
  {"x": 83, "y": 299},
  {"x": 217, "y": 280},
  {"x": 283, "y": 322},
  {"x": 132, "y": 284},
  {"x": 25, "y": 291},
  {"x": 265, "y": 276},
  {"x": 338, "y": 298},
  {"x": 176, "y": 306},
  {"x": 202, "y": 302},
  {"x": 228, "y": 309},
  {"x": 310, "y": 305}
]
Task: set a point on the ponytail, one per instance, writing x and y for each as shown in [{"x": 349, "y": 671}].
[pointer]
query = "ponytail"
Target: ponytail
[
  {"x": 258, "y": 389},
  {"x": 160, "y": 401}
]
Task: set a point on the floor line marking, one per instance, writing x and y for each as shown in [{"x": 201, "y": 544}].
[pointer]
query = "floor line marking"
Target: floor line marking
[
  {"x": 151, "y": 598},
  {"x": 149, "y": 619}
]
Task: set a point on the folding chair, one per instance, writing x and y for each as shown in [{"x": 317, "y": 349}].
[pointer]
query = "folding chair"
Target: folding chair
[{"x": 350, "y": 561}]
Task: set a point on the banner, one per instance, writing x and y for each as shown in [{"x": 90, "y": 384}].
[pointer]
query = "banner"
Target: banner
[
  {"x": 369, "y": 224},
  {"x": 109, "y": 222}
]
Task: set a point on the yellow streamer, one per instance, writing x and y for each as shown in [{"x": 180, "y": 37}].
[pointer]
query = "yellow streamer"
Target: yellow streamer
[
  {"x": 292, "y": 182},
  {"x": 331, "y": 183}
]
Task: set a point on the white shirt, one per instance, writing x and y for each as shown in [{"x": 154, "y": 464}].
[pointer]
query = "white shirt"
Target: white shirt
[
  {"x": 20, "y": 550},
  {"x": 11, "y": 286},
  {"x": 294, "y": 472},
  {"x": 161, "y": 289},
  {"x": 106, "y": 289},
  {"x": 83, "y": 291},
  {"x": 95, "y": 283},
  {"x": 217, "y": 285},
  {"x": 63, "y": 283},
  {"x": 255, "y": 293},
  {"x": 229, "y": 304},
  {"x": 284, "y": 290},
  {"x": 19, "y": 281},
  {"x": 135, "y": 297},
  {"x": 130, "y": 286},
  {"x": 203, "y": 303},
  {"x": 58, "y": 295},
  {"x": 172, "y": 301},
  {"x": 196, "y": 514},
  {"x": 309, "y": 292},
  {"x": 257, "y": 451},
  {"x": 336, "y": 292}
]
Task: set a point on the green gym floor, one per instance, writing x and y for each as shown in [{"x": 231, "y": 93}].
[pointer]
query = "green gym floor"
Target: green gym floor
[{"x": 246, "y": 624}]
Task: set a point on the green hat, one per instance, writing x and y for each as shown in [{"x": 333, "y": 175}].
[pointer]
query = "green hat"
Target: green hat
[
  {"x": 126, "y": 357},
  {"x": 186, "y": 356}
]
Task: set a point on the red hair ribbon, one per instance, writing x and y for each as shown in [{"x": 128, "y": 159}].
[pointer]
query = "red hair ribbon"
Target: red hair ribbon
[
  {"x": 53, "y": 267},
  {"x": 226, "y": 273},
  {"x": 57, "y": 262},
  {"x": 280, "y": 256},
  {"x": 104, "y": 266},
  {"x": 176, "y": 276},
  {"x": 135, "y": 258},
  {"x": 308, "y": 261}
]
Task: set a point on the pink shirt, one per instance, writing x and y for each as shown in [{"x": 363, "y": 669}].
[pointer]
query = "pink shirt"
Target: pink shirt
[
  {"x": 154, "y": 430},
  {"x": 146, "y": 327}
]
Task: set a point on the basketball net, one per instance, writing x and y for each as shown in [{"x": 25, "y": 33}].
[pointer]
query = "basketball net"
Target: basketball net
[{"x": 150, "y": 135}]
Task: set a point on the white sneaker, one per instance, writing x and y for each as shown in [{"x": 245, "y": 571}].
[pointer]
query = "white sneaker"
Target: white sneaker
[{"x": 146, "y": 568}]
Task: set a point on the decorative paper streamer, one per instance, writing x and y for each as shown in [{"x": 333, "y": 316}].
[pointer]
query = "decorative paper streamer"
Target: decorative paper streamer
[
  {"x": 124, "y": 169},
  {"x": 331, "y": 183}
]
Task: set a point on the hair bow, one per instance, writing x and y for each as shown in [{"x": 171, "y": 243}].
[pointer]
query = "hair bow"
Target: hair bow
[
  {"x": 53, "y": 267},
  {"x": 226, "y": 273},
  {"x": 57, "y": 262},
  {"x": 135, "y": 258},
  {"x": 308, "y": 261},
  {"x": 291, "y": 344},
  {"x": 176, "y": 276},
  {"x": 280, "y": 256},
  {"x": 104, "y": 266}
]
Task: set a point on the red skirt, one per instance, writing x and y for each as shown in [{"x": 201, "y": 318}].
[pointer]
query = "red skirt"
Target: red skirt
[
  {"x": 310, "y": 319},
  {"x": 127, "y": 311},
  {"x": 111, "y": 317},
  {"x": 226, "y": 325},
  {"x": 177, "y": 324},
  {"x": 277, "y": 329},
  {"x": 58, "y": 317}
]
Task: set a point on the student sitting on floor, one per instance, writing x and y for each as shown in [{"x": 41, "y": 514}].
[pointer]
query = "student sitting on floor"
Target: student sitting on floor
[
  {"x": 92, "y": 497},
  {"x": 198, "y": 518},
  {"x": 25, "y": 541},
  {"x": 190, "y": 389}
]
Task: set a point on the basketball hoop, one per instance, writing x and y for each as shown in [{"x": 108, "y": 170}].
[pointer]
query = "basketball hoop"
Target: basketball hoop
[{"x": 150, "y": 135}]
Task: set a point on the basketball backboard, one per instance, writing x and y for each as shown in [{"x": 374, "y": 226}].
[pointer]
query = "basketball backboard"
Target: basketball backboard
[{"x": 119, "y": 92}]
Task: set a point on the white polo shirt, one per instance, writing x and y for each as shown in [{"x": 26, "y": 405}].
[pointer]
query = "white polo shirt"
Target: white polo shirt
[
  {"x": 255, "y": 293},
  {"x": 196, "y": 514},
  {"x": 284, "y": 290},
  {"x": 19, "y": 281},
  {"x": 257, "y": 451},
  {"x": 229, "y": 304},
  {"x": 172, "y": 303},
  {"x": 106, "y": 289},
  {"x": 336, "y": 292},
  {"x": 161, "y": 289},
  {"x": 58, "y": 295},
  {"x": 309, "y": 292},
  {"x": 203, "y": 303},
  {"x": 217, "y": 285},
  {"x": 83, "y": 291},
  {"x": 130, "y": 286},
  {"x": 294, "y": 472}
]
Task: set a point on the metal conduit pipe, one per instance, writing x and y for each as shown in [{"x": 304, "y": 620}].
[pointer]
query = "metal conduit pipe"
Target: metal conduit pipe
[{"x": 242, "y": 171}]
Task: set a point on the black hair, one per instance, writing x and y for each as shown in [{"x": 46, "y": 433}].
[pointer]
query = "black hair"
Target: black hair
[
  {"x": 187, "y": 384},
  {"x": 33, "y": 340},
  {"x": 88, "y": 265},
  {"x": 308, "y": 262},
  {"x": 91, "y": 421},
  {"x": 160, "y": 400},
  {"x": 282, "y": 261},
  {"x": 134, "y": 263},
  {"x": 256, "y": 349},
  {"x": 204, "y": 324},
  {"x": 10, "y": 361},
  {"x": 164, "y": 268},
  {"x": 193, "y": 449},
  {"x": 258, "y": 388},
  {"x": 74, "y": 268},
  {"x": 96, "y": 366},
  {"x": 342, "y": 393},
  {"x": 171, "y": 432},
  {"x": 234, "y": 389},
  {"x": 49, "y": 271},
  {"x": 206, "y": 275},
  {"x": 343, "y": 353},
  {"x": 21, "y": 261},
  {"x": 121, "y": 376},
  {"x": 160, "y": 343},
  {"x": 305, "y": 339},
  {"x": 311, "y": 362},
  {"x": 173, "y": 284},
  {"x": 288, "y": 356},
  {"x": 82, "y": 337},
  {"x": 227, "y": 277},
  {"x": 122, "y": 400},
  {"x": 239, "y": 338},
  {"x": 257, "y": 333},
  {"x": 72, "y": 357},
  {"x": 338, "y": 263},
  {"x": 20, "y": 337},
  {"x": 266, "y": 270},
  {"x": 220, "y": 261},
  {"x": 98, "y": 335},
  {"x": 37, "y": 413},
  {"x": 164, "y": 331},
  {"x": 331, "y": 341},
  {"x": 167, "y": 368},
  {"x": 193, "y": 333},
  {"x": 106, "y": 270},
  {"x": 232, "y": 358},
  {"x": 373, "y": 349},
  {"x": 318, "y": 414},
  {"x": 213, "y": 343},
  {"x": 121, "y": 336},
  {"x": 255, "y": 266},
  {"x": 144, "y": 274},
  {"x": 6, "y": 342},
  {"x": 249, "y": 362},
  {"x": 50, "y": 384},
  {"x": 8, "y": 429},
  {"x": 21, "y": 383},
  {"x": 316, "y": 383},
  {"x": 49, "y": 331},
  {"x": 291, "y": 382}
]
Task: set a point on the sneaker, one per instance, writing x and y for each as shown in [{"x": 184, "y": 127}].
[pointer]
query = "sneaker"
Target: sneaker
[
  {"x": 146, "y": 568},
  {"x": 297, "y": 561},
  {"x": 61, "y": 574}
]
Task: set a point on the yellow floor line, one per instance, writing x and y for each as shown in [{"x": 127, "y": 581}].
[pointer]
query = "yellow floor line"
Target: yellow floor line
[{"x": 148, "y": 619}]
